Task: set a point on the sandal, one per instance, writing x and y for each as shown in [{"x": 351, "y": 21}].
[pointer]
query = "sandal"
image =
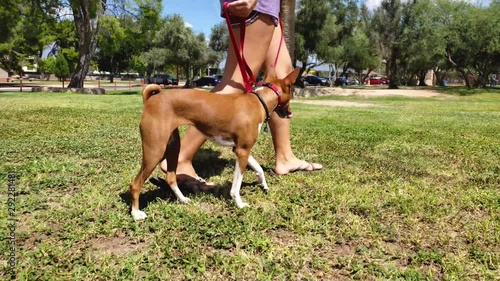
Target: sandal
[{"x": 305, "y": 166}]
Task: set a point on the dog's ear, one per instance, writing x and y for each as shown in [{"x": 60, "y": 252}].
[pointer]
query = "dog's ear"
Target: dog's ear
[
  {"x": 290, "y": 79},
  {"x": 270, "y": 74}
]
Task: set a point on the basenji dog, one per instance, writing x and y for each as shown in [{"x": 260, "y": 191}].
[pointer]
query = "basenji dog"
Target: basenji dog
[{"x": 233, "y": 120}]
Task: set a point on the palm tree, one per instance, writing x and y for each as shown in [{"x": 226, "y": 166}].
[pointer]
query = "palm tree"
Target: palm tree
[{"x": 288, "y": 18}]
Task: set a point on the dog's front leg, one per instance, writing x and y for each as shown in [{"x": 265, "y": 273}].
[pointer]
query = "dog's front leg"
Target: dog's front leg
[
  {"x": 239, "y": 169},
  {"x": 259, "y": 172}
]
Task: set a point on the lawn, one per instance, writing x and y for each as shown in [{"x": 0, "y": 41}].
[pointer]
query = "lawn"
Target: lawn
[{"x": 410, "y": 191}]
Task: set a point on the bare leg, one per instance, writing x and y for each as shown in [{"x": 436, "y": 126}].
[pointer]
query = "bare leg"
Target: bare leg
[
  {"x": 280, "y": 127},
  {"x": 257, "y": 39},
  {"x": 261, "y": 46}
]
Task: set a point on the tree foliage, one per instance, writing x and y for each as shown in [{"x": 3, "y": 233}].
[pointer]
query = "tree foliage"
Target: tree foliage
[
  {"x": 61, "y": 68},
  {"x": 470, "y": 48},
  {"x": 407, "y": 38},
  {"x": 112, "y": 44}
]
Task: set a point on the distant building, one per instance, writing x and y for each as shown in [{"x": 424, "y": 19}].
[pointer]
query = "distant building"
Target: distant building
[{"x": 4, "y": 76}]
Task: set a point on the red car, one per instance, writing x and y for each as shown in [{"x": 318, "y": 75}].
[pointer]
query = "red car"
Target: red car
[{"x": 377, "y": 81}]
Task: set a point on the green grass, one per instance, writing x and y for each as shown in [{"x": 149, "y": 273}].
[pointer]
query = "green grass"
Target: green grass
[{"x": 410, "y": 191}]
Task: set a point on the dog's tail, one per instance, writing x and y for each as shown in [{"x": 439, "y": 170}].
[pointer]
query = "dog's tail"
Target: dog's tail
[{"x": 151, "y": 89}]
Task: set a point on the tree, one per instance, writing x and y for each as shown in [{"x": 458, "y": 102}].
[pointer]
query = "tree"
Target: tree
[
  {"x": 359, "y": 54},
  {"x": 200, "y": 54},
  {"x": 219, "y": 41},
  {"x": 86, "y": 15},
  {"x": 47, "y": 66},
  {"x": 26, "y": 31},
  {"x": 176, "y": 44},
  {"x": 473, "y": 49},
  {"x": 288, "y": 20},
  {"x": 423, "y": 42},
  {"x": 311, "y": 18},
  {"x": 322, "y": 28},
  {"x": 10, "y": 14},
  {"x": 61, "y": 68},
  {"x": 110, "y": 41},
  {"x": 391, "y": 20},
  {"x": 148, "y": 24},
  {"x": 138, "y": 64},
  {"x": 66, "y": 40}
]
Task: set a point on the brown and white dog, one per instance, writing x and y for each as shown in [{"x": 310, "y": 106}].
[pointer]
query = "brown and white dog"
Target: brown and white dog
[{"x": 231, "y": 120}]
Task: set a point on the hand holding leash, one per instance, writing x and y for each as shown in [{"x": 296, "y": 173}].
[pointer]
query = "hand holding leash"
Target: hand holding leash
[{"x": 241, "y": 8}]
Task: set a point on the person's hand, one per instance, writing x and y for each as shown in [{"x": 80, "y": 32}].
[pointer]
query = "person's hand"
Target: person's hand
[{"x": 241, "y": 8}]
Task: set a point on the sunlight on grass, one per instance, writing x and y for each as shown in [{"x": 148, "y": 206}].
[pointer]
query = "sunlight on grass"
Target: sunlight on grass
[{"x": 410, "y": 191}]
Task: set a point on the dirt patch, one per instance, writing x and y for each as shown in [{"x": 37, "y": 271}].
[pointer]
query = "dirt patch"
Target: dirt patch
[
  {"x": 118, "y": 246},
  {"x": 334, "y": 103},
  {"x": 337, "y": 91},
  {"x": 386, "y": 92}
]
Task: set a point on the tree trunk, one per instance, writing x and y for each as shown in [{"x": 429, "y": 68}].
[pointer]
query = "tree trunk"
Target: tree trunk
[
  {"x": 394, "y": 69},
  {"x": 111, "y": 71},
  {"x": 288, "y": 19},
  {"x": 467, "y": 77},
  {"x": 85, "y": 14},
  {"x": 188, "y": 75},
  {"x": 149, "y": 71},
  {"x": 421, "y": 78}
]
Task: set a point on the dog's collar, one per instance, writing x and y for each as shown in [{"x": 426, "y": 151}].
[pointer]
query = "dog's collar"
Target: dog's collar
[
  {"x": 275, "y": 90},
  {"x": 268, "y": 115}
]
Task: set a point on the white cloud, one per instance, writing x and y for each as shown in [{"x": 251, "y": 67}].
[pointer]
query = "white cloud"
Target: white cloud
[
  {"x": 373, "y": 4},
  {"x": 187, "y": 24}
]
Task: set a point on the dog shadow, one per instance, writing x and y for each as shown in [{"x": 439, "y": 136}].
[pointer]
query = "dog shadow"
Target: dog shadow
[
  {"x": 207, "y": 163},
  {"x": 164, "y": 193}
]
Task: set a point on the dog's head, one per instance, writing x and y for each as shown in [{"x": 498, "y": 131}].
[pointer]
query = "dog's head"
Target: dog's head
[{"x": 284, "y": 86}]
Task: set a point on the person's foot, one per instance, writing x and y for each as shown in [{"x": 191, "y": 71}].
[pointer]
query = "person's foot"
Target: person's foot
[
  {"x": 186, "y": 175},
  {"x": 296, "y": 165},
  {"x": 183, "y": 168}
]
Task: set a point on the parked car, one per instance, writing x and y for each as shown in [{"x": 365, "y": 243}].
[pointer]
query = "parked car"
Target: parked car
[
  {"x": 206, "y": 81},
  {"x": 314, "y": 80},
  {"x": 163, "y": 79},
  {"x": 377, "y": 81},
  {"x": 348, "y": 81}
]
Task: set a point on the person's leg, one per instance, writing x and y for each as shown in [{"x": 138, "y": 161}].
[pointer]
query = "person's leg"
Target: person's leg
[
  {"x": 258, "y": 36},
  {"x": 286, "y": 161}
]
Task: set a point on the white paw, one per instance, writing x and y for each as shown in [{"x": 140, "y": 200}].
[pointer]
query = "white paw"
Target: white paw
[
  {"x": 184, "y": 200},
  {"x": 138, "y": 214},
  {"x": 242, "y": 205},
  {"x": 265, "y": 188}
]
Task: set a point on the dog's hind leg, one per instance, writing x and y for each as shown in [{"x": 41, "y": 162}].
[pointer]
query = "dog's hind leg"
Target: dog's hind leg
[
  {"x": 259, "y": 172},
  {"x": 239, "y": 169},
  {"x": 149, "y": 162},
  {"x": 172, "y": 155},
  {"x": 153, "y": 149}
]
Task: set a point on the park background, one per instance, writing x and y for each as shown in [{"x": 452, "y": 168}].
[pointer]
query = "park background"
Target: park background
[{"x": 410, "y": 188}]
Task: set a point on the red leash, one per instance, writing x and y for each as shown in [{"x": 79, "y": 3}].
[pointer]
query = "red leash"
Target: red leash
[{"x": 248, "y": 78}]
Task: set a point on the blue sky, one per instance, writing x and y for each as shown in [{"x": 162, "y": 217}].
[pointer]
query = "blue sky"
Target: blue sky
[{"x": 200, "y": 15}]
